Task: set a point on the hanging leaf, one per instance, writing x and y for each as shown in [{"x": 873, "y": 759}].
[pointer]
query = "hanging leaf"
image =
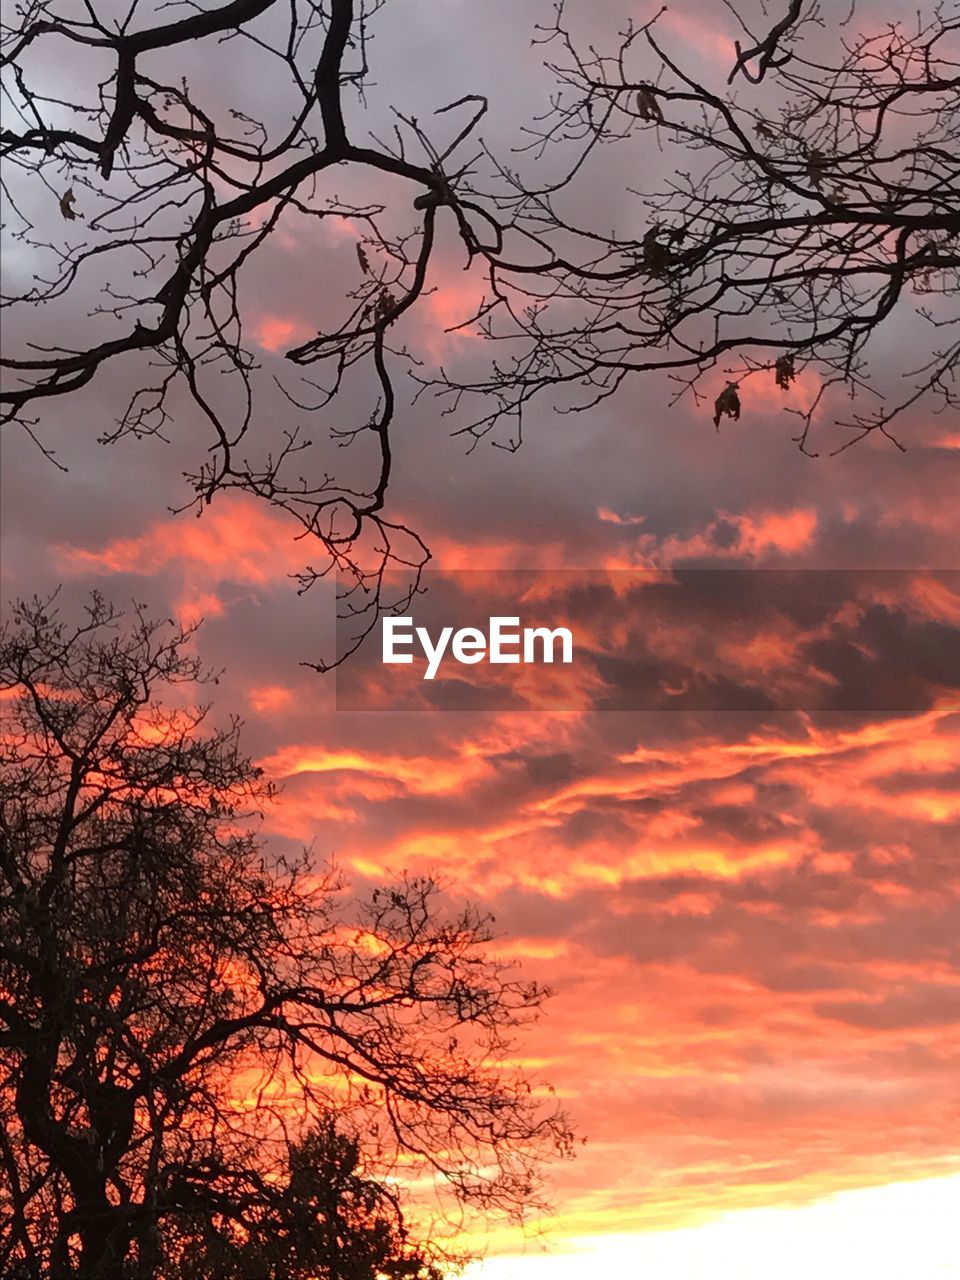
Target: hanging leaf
[
  {"x": 816, "y": 167},
  {"x": 784, "y": 370},
  {"x": 67, "y": 201},
  {"x": 763, "y": 130},
  {"x": 363, "y": 259},
  {"x": 656, "y": 256},
  {"x": 648, "y": 108},
  {"x": 385, "y": 304},
  {"x": 727, "y": 402}
]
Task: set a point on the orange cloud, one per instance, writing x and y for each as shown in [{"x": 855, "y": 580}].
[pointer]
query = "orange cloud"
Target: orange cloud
[
  {"x": 751, "y": 537},
  {"x": 271, "y": 699},
  {"x": 237, "y": 541},
  {"x": 276, "y": 333},
  {"x": 749, "y": 930}
]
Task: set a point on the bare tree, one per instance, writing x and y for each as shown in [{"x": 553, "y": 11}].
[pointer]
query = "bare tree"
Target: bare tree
[
  {"x": 212, "y": 1061},
  {"x": 807, "y": 199}
]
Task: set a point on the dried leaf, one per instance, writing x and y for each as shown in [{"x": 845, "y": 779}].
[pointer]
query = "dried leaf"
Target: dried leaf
[
  {"x": 656, "y": 256},
  {"x": 816, "y": 167},
  {"x": 727, "y": 402},
  {"x": 363, "y": 259},
  {"x": 648, "y": 108},
  {"x": 67, "y": 201},
  {"x": 763, "y": 130},
  {"x": 784, "y": 371},
  {"x": 385, "y": 304}
]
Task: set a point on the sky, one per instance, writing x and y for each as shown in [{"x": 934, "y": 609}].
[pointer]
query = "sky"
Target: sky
[{"x": 750, "y": 922}]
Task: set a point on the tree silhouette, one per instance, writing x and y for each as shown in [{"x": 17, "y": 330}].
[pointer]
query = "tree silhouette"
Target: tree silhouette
[
  {"x": 321, "y": 1219},
  {"x": 805, "y": 200},
  {"x": 212, "y": 1063},
  {"x": 794, "y": 218}
]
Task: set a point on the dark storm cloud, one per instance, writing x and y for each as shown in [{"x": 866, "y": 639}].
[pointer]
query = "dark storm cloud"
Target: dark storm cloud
[{"x": 707, "y": 640}]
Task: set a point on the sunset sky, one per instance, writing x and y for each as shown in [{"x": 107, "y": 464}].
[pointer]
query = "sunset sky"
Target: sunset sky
[{"x": 751, "y": 923}]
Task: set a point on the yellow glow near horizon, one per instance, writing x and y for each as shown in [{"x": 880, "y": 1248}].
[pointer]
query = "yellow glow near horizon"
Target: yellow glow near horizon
[{"x": 903, "y": 1231}]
